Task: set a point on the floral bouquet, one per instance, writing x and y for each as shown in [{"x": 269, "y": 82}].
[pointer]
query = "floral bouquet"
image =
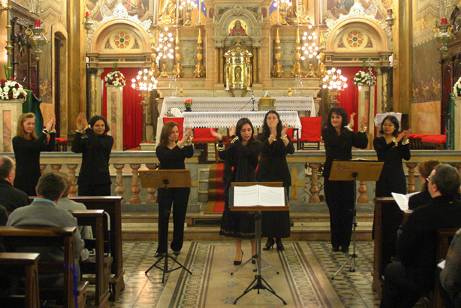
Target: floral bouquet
[
  {"x": 116, "y": 79},
  {"x": 457, "y": 88},
  {"x": 188, "y": 104},
  {"x": 362, "y": 78},
  {"x": 10, "y": 89}
]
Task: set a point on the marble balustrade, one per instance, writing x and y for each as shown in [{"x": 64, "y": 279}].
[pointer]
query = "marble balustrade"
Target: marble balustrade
[{"x": 305, "y": 168}]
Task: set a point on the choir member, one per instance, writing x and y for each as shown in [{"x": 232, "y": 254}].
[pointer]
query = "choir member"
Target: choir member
[
  {"x": 27, "y": 147},
  {"x": 240, "y": 161},
  {"x": 423, "y": 197},
  {"x": 273, "y": 167},
  {"x": 171, "y": 154},
  {"x": 91, "y": 139},
  {"x": 391, "y": 147},
  {"x": 340, "y": 195}
]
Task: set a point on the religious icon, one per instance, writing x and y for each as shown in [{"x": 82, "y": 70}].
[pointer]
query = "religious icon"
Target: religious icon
[
  {"x": 238, "y": 29},
  {"x": 238, "y": 74}
]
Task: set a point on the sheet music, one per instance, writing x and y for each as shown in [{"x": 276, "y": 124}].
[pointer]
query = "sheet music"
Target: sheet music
[
  {"x": 271, "y": 196},
  {"x": 246, "y": 195},
  {"x": 402, "y": 200},
  {"x": 441, "y": 265}
]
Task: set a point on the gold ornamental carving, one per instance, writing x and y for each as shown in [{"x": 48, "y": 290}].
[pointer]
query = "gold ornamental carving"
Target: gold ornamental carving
[
  {"x": 296, "y": 70},
  {"x": 238, "y": 69},
  {"x": 177, "y": 69},
  {"x": 277, "y": 68},
  {"x": 199, "y": 70}
]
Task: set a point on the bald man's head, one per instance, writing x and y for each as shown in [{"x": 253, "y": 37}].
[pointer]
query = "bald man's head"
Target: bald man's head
[{"x": 7, "y": 170}]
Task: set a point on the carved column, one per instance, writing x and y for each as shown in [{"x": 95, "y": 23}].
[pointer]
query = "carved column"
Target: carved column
[
  {"x": 411, "y": 177},
  {"x": 363, "y": 193},
  {"x": 150, "y": 190},
  {"x": 135, "y": 190},
  {"x": 119, "y": 189},
  {"x": 72, "y": 179},
  {"x": 315, "y": 190}
]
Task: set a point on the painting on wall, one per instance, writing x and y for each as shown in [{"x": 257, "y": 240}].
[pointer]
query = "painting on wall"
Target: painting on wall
[
  {"x": 99, "y": 9},
  {"x": 376, "y": 8}
]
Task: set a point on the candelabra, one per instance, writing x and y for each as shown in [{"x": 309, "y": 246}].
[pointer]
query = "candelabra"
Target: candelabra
[
  {"x": 310, "y": 48},
  {"x": 5, "y": 5},
  {"x": 334, "y": 81},
  {"x": 145, "y": 82},
  {"x": 444, "y": 35},
  {"x": 87, "y": 22},
  {"x": 165, "y": 50}
]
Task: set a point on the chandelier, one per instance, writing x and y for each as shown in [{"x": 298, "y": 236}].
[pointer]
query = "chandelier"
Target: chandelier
[
  {"x": 165, "y": 48},
  {"x": 334, "y": 80},
  {"x": 145, "y": 81},
  {"x": 309, "y": 48}
]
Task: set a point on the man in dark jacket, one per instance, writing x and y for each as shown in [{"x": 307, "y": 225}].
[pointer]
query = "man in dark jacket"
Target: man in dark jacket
[
  {"x": 413, "y": 275},
  {"x": 10, "y": 197}
]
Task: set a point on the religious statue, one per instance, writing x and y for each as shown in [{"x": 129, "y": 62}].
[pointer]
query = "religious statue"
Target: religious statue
[
  {"x": 238, "y": 72},
  {"x": 237, "y": 29},
  {"x": 168, "y": 13}
]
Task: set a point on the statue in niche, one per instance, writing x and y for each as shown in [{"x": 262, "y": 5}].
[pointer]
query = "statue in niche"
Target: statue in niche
[
  {"x": 237, "y": 29},
  {"x": 168, "y": 13},
  {"x": 238, "y": 74}
]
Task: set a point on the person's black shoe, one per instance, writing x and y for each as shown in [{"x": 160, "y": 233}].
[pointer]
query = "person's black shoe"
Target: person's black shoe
[
  {"x": 176, "y": 252},
  {"x": 238, "y": 262},
  {"x": 159, "y": 254},
  {"x": 279, "y": 244},
  {"x": 345, "y": 250},
  {"x": 335, "y": 248},
  {"x": 269, "y": 244}
]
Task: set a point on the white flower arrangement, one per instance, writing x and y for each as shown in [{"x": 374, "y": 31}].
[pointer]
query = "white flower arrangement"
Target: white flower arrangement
[
  {"x": 457, "y": 88},
  {"x": 362, "y": 78},
  {"x": 115, "y": 79},
  {"x": 10, "y": 89}
]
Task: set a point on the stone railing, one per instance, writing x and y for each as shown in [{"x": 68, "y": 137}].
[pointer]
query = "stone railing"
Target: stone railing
[{"x": 305, "y": 168}]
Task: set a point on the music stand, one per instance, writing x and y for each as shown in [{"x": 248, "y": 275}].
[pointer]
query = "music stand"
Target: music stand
[
  {"x": 258, "y": 283},
  {"x": 354, "y": 170},
  {"x": 166, "y": 178}
]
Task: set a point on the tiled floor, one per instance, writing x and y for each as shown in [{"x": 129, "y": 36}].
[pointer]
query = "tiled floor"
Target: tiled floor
[{"x": 301, "y": 276}]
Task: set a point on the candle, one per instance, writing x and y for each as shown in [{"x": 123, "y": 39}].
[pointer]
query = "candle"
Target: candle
[
  {"x": 443, "y": 21},
  {"x": 87, "y": 14},
  {"x": 37, "y": 23}
]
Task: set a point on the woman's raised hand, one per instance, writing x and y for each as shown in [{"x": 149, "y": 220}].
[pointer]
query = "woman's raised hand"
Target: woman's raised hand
[
  {"x": 215, "y": 134},
  {"x": 232, "y": 131},
  {"x": 351, "y": 121},
  {"x": 81, "y": 123}
]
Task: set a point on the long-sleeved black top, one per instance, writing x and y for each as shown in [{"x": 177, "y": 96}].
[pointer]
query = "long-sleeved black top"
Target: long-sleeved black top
[
  {"x": 416, "y": 246},
  {"x": 173, "y": 158},
  {"x": 339, "y": 147},
  {"x": 27, "y": 156},
  {"x": 95, "y": 151},
  {"x": 273, "y": 164}
]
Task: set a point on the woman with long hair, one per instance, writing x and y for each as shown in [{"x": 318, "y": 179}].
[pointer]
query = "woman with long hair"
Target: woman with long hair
[
  {"x": 27, "y": 147},
  {"x": 171, "y": 154},
  {"x": 240, "y": 161},
  {"x": 391, "y": 147},
  {"x": 423, "y": 197},
  {"x": 91, "y": 139},
  {"x": 340, "y": 195},
  {"x": 273, "y": 167}
]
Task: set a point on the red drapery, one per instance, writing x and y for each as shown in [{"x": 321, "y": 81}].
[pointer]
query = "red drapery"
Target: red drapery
[
  {"x": 132, "y": 109},
  {"x": 349, "y": 97}
]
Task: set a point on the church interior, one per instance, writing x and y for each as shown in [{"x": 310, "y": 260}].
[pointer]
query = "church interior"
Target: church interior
[{"x": 203, "y": 65}]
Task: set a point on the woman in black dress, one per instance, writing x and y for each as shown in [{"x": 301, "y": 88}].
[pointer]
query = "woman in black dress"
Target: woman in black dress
[
  {"x": 273, "y": 167},
  {"x": 423, "y": 197},
  {"x": 95, "y": 145},
  {"x": 391, "y": 148},
  {"x": 27, "y": 147},
  {"x": 240, "y": 161},
  {"x": 340, "y": 195},
  {"x": 171, "y": 155}
]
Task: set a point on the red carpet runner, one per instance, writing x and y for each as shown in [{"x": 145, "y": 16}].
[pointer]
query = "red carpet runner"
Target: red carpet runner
[{"x": 216, "y": 189}]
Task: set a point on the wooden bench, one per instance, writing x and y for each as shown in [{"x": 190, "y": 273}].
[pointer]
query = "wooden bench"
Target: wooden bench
[
  {"x": 113, "y": 206},
  {"x": 16, "y": 262},
  {"x": 101, "y": 265},
  {"x": 18, "y": 239}
]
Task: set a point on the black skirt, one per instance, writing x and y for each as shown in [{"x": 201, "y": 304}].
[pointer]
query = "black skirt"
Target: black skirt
[{"x": 276, "y": 223}]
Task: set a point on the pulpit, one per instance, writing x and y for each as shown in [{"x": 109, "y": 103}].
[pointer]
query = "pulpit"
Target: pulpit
[{"x": 9, "y": 114}]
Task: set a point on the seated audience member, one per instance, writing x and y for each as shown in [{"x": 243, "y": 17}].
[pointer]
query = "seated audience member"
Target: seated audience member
[
  {"x": 10, "y": 197},
  {"x": 450, "y": 277},
  {"x": 423, "y": 197},
  {"x": 65, "y": 203},
  {"x": 3, "y": 215},
  {"x": 43, "y": 212},
  {"x": 412, "y": 275}
]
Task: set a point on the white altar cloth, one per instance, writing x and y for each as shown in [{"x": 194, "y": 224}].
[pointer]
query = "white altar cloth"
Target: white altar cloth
[
  {"x": 283, "y": 103},
  {"x": 230, "y": 118}
]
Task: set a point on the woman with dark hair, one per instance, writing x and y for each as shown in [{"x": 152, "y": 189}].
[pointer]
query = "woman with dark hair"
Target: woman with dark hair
[
  {"x": 91, "y": 139},
  {"x": 171, "y": 154},
  {"x": 391, "y": 147},
  {"x": 340, "y": 195},
  {"x": 273, "y": 167},
  {"x": 423, "y": 197},
  {"x": 27, "y": 147},
  {"x": 240, "y": 160}
]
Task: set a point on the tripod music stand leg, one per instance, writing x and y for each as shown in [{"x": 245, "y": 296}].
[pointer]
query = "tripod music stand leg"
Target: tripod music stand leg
[
  {"x": 250, "y": 287},
  {"x": 153, "y": 265}
]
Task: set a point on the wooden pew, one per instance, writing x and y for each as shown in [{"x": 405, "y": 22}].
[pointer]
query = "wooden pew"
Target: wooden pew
[
  {"x": 96, "y": 219},
  {"x": 444, "y": 237},
  {"x": 113, "y": 206},
  {"x": 16, "y": 238},
  {"x": 26, "y": 263}
]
